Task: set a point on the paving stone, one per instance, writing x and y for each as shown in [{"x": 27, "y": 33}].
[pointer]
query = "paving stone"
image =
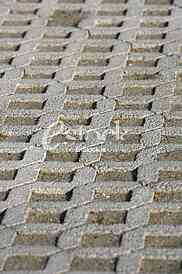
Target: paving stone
[{"x": 90, "y": 136}]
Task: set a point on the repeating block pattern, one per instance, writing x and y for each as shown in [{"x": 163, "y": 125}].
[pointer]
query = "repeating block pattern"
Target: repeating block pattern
[{"x": 90, "y": 136}]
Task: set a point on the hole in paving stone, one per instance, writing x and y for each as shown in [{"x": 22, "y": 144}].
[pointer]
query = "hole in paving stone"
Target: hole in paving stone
[
  {"x": 165, "y": 175},
  {"x": 140, "y": 75},
  {"x": 21, "y": 11},
  {"x": 9, "y": 46},
  {"x": 50, "y": 194},
  {"x": 107, "y": 217},
  {"x": 93, "y": 264},
  {"x": 136, "y": 90},
  {"x": 101, "y": 239},
  {"x": 46, "y": 60},
  {"x": 17, "y": 23},
  {"x": 38, "y": 75},
  {"x": 168, "y": 196},
  {"x": 51, "y": 46},
  {"x": 154, "y": 24},
  {"x": 179, "y": 76},
  {"x": 128, "y": 138},
  {"x": 80, "y": 103},
  {"x": 77, "y": 119},
  {"x": 129, "y": 121},
  {"x": 25, "y": 262},
  {"x": 165, "y": 217},
  {"x": 99, "y": 35},
  {"x": 118, "y": 156},
  {"x": 57, "y": 35},
  {"x": 97, "y": 48},
  {"x": 93, "y": 62},
  {"x": 71, "y": 1},
  {"x": 159, "y": 2},
  {"x": 157, "y": 12},
  {"x": 124, "y": 105},
  {"x": 11, "y": 156},
  {"x": 176, "y": 107},
  {"x": 26, "y": 105},
  {"x": 107, "y": 23},
  {"x": 57, "y": 155},
  {"x": 115, "y": 175},
  {"x": 22, "y": 121},
  {"x": 63, "y": 139},
  {"x": 173, "y": 122},
  {"x": 65, "y": 18},
  {"x": 151, "y": 36},
  {"x": 45, "y": 216},
  {"x": 113, "y": 195},
  {"x": 84, "y": 91},
  {"x": 79, "y": 77},
  {"x": 137, "y": 62},
  {"x": 147, "y": 48},
  {"x": 35, "y": 238},
  {"x": 114, "y": 1},
  {"x": 163, "y": 241},
  {"x": 47, "y": 175},
  {"x": 31, "y": 88},
  {"x": 160, "y": 265},
  {"x": 171, "y": 139},
  {"x": 6, "y": 60},
  {"x": 30, "y": 1},
  {"x": 171, "y": 156},
  {"x": 15, "y": 138},
  {"x": 11, "y": 35},
  {"x": 8, "y": 174},
  {"x": 114, "y": 12}
]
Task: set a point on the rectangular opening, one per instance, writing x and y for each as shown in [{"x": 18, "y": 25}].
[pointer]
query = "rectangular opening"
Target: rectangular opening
[
  {"x": 159, "y": 2},
  {"x": 130, "y": 121},
  {"x": 118, "y": 156},
  {"x": 25, "y": 262},
  {"x": 47, "y": 175},
  {"x": 50, "y": 194},
  {"x": 45, "y": 216},
  {"x": 31, "y": 88},
  {"x": 163, "y": 241},
  {"x": 64, "y": 156},
  {"x": 11, "y": 156},
  {"x": 92, "y": 240},
  {"x": 16, "y": 23},
  {"x": 168, "y": 196},
  {"x": 21, "y": 121},
  {"x": 116, "y": 175},
  {"x": 65, "y": 18},
  {"x": 15, "y": 138},
  {"x": 160, "y": 266},
  {"x": 113, "y": 195},
  {"x": 154, "y": 24},
  {"x": 107, "y": 217},
  {"x": 165, "y": 175},
  {"x": 166, "y": 217},
  {"x": 157, "y": 12},
  {"x": 8, "y": 174},
  {"x": 93, "y": 264},
  {"x": 26, "y": 105}
]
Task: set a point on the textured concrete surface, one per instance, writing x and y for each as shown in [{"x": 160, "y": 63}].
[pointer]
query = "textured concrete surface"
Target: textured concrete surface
[{"x": 90, "y": 136}]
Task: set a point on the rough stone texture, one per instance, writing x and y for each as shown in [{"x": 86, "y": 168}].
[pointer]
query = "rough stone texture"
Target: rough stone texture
[{"x": 91, "y": 202}]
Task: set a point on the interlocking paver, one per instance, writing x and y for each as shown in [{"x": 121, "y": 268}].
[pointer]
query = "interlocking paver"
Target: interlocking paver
[{"x": 90, "y": 136}]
